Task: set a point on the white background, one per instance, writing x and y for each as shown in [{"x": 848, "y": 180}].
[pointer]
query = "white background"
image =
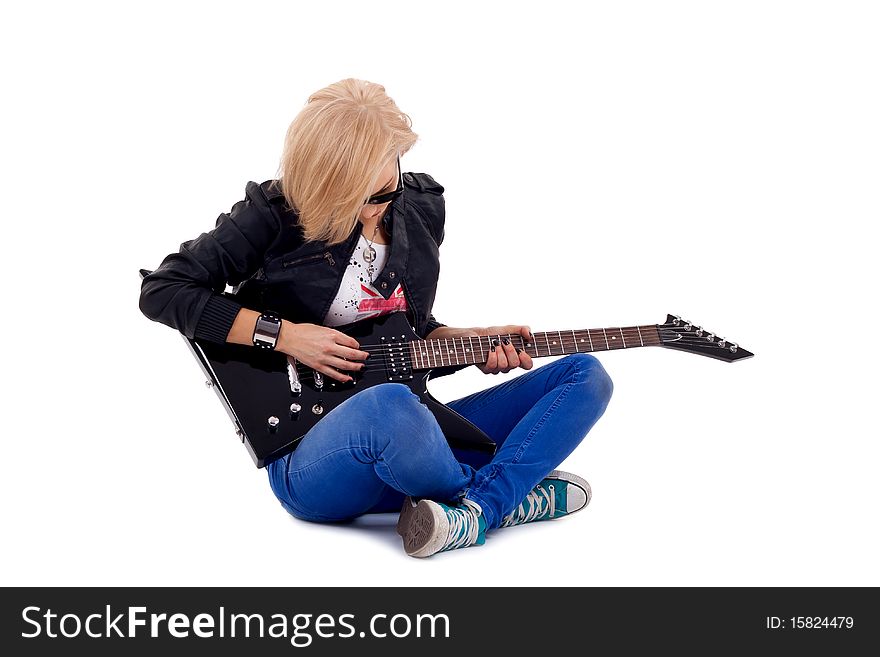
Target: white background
[{"x": 604, "y": 163}]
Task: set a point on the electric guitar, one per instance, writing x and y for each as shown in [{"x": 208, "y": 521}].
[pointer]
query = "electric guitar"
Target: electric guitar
[{"x": 273, "y": 400}]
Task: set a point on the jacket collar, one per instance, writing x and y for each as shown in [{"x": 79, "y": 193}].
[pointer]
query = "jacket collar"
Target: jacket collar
[{"x": 393, "y": 272}]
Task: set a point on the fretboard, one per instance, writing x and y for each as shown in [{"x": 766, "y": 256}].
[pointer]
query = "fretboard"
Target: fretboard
[{"x": 443, "y": 352}]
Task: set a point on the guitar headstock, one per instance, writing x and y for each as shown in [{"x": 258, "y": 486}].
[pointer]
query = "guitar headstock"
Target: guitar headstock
[{"x": 678, "y": 333}]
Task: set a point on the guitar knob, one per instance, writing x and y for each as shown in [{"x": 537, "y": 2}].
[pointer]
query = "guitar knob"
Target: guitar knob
[
  {"x": 294, "y": 411},
  {"x": 273, "y": 423},
  {"x": 317, "y": 409}
]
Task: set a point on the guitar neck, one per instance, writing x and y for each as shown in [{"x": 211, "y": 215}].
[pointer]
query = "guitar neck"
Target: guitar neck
[{"x": 445, "y": 352}]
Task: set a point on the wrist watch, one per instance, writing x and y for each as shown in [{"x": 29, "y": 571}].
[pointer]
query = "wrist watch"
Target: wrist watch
[{"x": 266, "y": 330}]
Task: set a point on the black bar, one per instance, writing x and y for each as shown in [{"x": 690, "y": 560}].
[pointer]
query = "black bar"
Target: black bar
[{"x": 519, "y": 620}]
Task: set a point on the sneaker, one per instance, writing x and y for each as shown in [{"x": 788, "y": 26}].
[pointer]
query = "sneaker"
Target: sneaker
[
  {"x": 429, "y": 527},
  {"x": 409, "y": 505},
  {"x": 558, "y": 494}
]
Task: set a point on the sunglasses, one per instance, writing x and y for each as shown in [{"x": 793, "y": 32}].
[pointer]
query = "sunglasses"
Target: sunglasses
[{"x": 379, "y": 199}]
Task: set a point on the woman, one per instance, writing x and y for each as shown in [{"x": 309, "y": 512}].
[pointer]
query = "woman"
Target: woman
[{"x": 343, "y": 235}]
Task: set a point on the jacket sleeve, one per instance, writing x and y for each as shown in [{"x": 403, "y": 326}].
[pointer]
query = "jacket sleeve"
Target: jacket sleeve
[
  {"x": 432, "y": 324},
  {"x": 184, "y": 291},
  {"x": 432, "y": 203}
]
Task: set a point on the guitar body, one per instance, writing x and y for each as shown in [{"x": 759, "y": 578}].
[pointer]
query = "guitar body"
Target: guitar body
[{"x": 271, "y": 416}]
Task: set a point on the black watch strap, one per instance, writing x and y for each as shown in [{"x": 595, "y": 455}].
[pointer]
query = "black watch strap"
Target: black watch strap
[{"x": 266, "y": 330}]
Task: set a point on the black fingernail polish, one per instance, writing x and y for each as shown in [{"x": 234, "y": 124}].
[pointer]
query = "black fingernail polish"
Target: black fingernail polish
[
  {"x": 493, "y": 347},
  {"x": 518, "y": 350},
  {"x": 505, "y": 340},
  {"x": 495, "y": 343}
]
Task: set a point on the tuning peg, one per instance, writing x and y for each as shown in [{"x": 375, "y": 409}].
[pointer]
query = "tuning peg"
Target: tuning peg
[
  {"x": 733, "y": 347},
  {"x": 687, "y": 325},
  {"x": 699, "y": 331},
  {"x": 676, "y": 321},
  {"x": 723, "y": 343},
  {"x": 710, "y": 337}
]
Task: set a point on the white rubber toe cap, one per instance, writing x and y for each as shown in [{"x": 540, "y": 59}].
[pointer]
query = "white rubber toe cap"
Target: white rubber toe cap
[{"x": 576, "y": 498}]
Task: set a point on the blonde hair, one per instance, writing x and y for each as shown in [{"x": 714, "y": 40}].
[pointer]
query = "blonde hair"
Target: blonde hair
[{"x": 333, "y": 154}]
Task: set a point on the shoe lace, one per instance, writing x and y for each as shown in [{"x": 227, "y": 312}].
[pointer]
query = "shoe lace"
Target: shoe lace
[
  {"x": 540, "y": 502},
  {"x": 464, "y": 525}
]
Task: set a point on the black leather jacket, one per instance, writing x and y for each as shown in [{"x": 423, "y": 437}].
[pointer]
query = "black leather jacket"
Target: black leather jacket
[{"x": 258, "y": 248}]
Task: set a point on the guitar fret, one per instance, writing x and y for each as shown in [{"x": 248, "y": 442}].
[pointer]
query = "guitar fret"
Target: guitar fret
[
  {"x": 607, "y": 346},
  {"x": 574, "y": 337},
  {"x": 547, "y": 340},
  {"x": 471, "y": 342},
  {"x": 591, "y": 340},
  {"x": 642, "y": 342},
  {"x": 622, "y": 338}
]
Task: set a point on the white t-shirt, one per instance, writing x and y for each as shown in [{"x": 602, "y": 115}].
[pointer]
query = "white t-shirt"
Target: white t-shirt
[{"x": 356, "y": 297}]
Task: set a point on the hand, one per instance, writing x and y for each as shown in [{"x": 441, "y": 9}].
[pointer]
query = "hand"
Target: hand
[
  {"x": 322, "y": 348},
  {"x": 504, "y": 357}
]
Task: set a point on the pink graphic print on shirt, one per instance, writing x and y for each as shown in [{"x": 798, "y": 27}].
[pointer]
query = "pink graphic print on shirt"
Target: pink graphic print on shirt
[{"x": 374, "y": 304}]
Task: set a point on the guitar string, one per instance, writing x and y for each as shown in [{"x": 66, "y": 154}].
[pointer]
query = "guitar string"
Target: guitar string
[
  {"x": 690, "y": 340},
  {"x": 566, "y": 338},
  {"x": 566, "y": 333}
]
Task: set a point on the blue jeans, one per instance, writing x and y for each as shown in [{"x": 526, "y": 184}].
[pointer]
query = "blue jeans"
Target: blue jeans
[{"x": 382, "y": 444}]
